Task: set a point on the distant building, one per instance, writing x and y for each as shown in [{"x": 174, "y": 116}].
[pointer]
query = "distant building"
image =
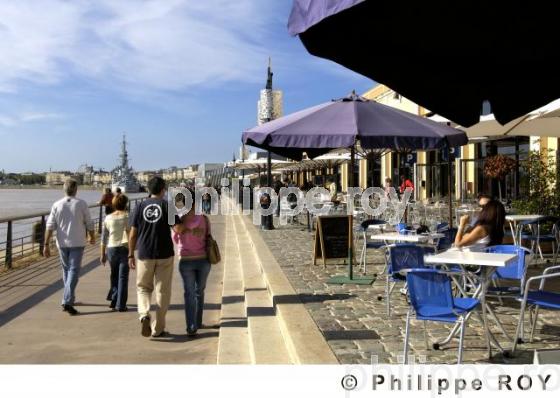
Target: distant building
[
  {"x": 101, "y": 178},
  {"x": 144, "y": 176},
  {"x": 210, "y": 172},
  {"x": 173, "y": 174},
  {"x": 58, "y": 177},
  {"x": 190, "y": 172}
]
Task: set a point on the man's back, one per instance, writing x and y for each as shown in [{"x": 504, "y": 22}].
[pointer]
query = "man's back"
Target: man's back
[
  {"x": 154, "y": 233},
  {"x": 70, "y": 219}
]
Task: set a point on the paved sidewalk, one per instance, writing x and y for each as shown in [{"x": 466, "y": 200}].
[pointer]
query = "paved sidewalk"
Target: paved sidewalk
[
  {"x": 34, "y": 330},
  {"x": 355, "y": 322}
]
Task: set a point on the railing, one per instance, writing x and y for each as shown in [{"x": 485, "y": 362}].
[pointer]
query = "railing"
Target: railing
[{"x": 25, "y": 234}]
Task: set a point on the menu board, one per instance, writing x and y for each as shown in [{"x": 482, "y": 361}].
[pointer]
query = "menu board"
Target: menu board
[{"x": 333, "y": 237}]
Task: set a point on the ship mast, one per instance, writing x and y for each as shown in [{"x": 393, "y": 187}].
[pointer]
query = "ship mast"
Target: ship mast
[{"x": 124, "y": 155}]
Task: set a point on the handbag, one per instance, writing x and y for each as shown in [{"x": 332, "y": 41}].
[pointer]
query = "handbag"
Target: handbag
[{"x": 212, "y": 249}]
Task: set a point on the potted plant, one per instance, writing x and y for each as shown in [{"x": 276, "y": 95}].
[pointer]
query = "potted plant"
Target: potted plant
[{"x": 498, "y": 167}]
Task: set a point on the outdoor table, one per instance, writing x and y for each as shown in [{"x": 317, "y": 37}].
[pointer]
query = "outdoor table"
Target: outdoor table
[
  {"x": 488, "y": 262},
  {"x": 412, "y": 238},
  {"x": 514, "y": 220}
]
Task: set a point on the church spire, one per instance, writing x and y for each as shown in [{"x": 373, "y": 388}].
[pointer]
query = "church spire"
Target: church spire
[{"x": 269, "y": 78}]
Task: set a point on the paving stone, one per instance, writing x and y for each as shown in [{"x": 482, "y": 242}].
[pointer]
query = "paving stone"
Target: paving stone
[{"x": 355, "y": 309}]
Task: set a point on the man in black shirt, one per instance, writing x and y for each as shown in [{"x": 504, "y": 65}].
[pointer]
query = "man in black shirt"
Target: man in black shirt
[{"x": 150, "y": 234}]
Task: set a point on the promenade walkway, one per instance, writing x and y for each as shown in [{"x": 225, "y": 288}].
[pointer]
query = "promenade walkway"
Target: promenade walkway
[
  {"x": 33, "y": 329},
  {"x": 253, "y": 314}
]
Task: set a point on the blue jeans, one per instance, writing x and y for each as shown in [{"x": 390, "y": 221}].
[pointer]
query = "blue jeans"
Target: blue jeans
[
  {"x": 194, "y": 274},
  {"x": 206, "y": 206},
  {"x": 118, "y": 259},
  {"x": 71, "y": 261}
]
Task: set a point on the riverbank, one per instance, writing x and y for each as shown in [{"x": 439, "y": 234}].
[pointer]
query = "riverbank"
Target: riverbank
[{"x": 86, "y": 187}]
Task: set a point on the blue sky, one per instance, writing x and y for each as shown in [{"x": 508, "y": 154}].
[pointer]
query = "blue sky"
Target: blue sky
[{"x": 180, "y": 77}]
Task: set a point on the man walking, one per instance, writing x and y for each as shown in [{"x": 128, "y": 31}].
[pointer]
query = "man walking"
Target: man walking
[
  {"x": 107, "y": 201},
  {"x": 71, "y": 220},
  {"x": 150, "y": 233}
]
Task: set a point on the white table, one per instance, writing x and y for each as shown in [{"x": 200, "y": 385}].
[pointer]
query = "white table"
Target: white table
[
  {"x": 488, "y": 263},
  {"x": 412, "y": 238},
  {"x": 467, "y": 257},
  {"x": 514, "y": 220}
]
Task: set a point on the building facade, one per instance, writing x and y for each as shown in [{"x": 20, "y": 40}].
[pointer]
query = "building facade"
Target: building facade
[{"x": 429, "y": 170}]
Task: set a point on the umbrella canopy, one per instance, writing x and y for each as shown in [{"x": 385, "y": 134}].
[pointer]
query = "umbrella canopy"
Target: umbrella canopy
[
  {"x": 544, "y": 122},
  {"x": 345, "y": 122},
  {"x": 260, "y": 163},
  {"x": 420, "y": 49}
]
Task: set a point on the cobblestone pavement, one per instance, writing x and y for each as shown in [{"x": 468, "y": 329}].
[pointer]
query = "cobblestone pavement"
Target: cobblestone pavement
[{"x": 354, "y": 321}]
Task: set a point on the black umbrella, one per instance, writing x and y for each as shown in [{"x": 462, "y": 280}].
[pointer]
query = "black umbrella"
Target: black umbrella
[{"x": 449, "y": 57}]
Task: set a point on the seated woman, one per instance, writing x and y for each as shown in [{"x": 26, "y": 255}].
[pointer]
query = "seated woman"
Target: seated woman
[{"x": 487, "y": 231}]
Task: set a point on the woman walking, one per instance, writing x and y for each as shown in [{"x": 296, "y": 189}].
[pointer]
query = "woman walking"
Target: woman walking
[
  {"x": 191, "y": 238},
  {"x": 115, "y": 239}
]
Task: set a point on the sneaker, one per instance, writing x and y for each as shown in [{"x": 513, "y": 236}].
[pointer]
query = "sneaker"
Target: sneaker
[
  {"x": 163, "y": 333},
  {"x": 191, "y": 332},
  {"x": 69, "y": 309},
  {"x": 125, "y": 309},
  {"x": 146, "y": 326}
]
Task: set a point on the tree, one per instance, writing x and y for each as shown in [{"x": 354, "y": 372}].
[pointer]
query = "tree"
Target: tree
[{"x": 539, "y": 184}]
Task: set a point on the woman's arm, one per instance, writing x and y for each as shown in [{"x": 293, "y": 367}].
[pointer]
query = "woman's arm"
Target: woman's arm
[{"x": 465, "y": 239}]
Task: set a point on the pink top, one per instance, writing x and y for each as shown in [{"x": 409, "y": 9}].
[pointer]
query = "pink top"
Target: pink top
[{"x": 192, "y": 242}]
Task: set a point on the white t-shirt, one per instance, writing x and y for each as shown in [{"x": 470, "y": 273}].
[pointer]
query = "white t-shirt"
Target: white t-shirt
[{"x": 70, "y": 219}]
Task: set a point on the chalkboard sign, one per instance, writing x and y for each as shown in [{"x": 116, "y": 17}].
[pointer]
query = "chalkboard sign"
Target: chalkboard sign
[{"x": 333, "y": 237}]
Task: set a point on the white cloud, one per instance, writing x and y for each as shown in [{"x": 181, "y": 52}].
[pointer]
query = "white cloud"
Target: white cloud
[
  {"x": 27, "y": 117},
  {"x": 36, "y": 116},
  {"x": 146, "y": 44},
  {"x": 6, "y": 121}
]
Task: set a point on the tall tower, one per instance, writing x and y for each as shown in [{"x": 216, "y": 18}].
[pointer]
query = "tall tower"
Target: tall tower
[{"x": 269, "y": 107}]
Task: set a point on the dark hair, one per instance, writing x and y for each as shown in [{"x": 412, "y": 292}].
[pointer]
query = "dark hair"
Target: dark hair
[
  {"x": 484, "y": 195},
  {"x": 492, "y": 218},
  {"x": 107, "y": 190},
  {"x": 120, "y": 202},
  {"x": 118, "y": 190},
  {"x": 156, "y": 185},
  {"x": 180, "y": 198}
]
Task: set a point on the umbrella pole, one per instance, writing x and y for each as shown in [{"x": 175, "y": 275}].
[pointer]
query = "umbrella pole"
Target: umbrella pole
[
  {"x": 351, "y": 238},
  {"x": 350, "y": 278},
  {"x": 267, "y": 221},
  {"x": 449, "y": 189},
  {"x": 269, "y": 170}
]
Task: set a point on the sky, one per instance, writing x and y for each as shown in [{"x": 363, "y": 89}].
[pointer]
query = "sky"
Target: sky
[{"x": 180, "y": 77}]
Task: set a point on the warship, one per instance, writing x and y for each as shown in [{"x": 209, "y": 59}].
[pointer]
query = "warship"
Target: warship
[{"x": 123, "y": 176}]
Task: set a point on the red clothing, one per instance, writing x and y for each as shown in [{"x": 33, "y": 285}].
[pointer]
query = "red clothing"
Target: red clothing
[
  {"x": 107, "y": 199},
  {"x": 406, "y": 184}
]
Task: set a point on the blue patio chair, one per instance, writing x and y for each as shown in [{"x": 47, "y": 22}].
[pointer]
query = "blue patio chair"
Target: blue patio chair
[
  {"x": 431, "y": 299},
  {"x": 403, "y": 228},
  {"x": 447, "y": 241},
  {"x": 368, "y": 244},
  {"x": 535, "y": 299},
  {"x": 401, "y": 257},
  {"x": 535, "y": 232},
  {"x": 513, "y": 272}
]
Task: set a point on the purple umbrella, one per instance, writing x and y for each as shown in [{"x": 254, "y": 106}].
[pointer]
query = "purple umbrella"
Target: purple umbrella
[
  {"x": 345, "y": 122},
  {"x": 342, "y": 124}
]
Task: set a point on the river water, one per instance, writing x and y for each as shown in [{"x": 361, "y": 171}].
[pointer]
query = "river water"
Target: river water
[{"x": 16, "y": 202}]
